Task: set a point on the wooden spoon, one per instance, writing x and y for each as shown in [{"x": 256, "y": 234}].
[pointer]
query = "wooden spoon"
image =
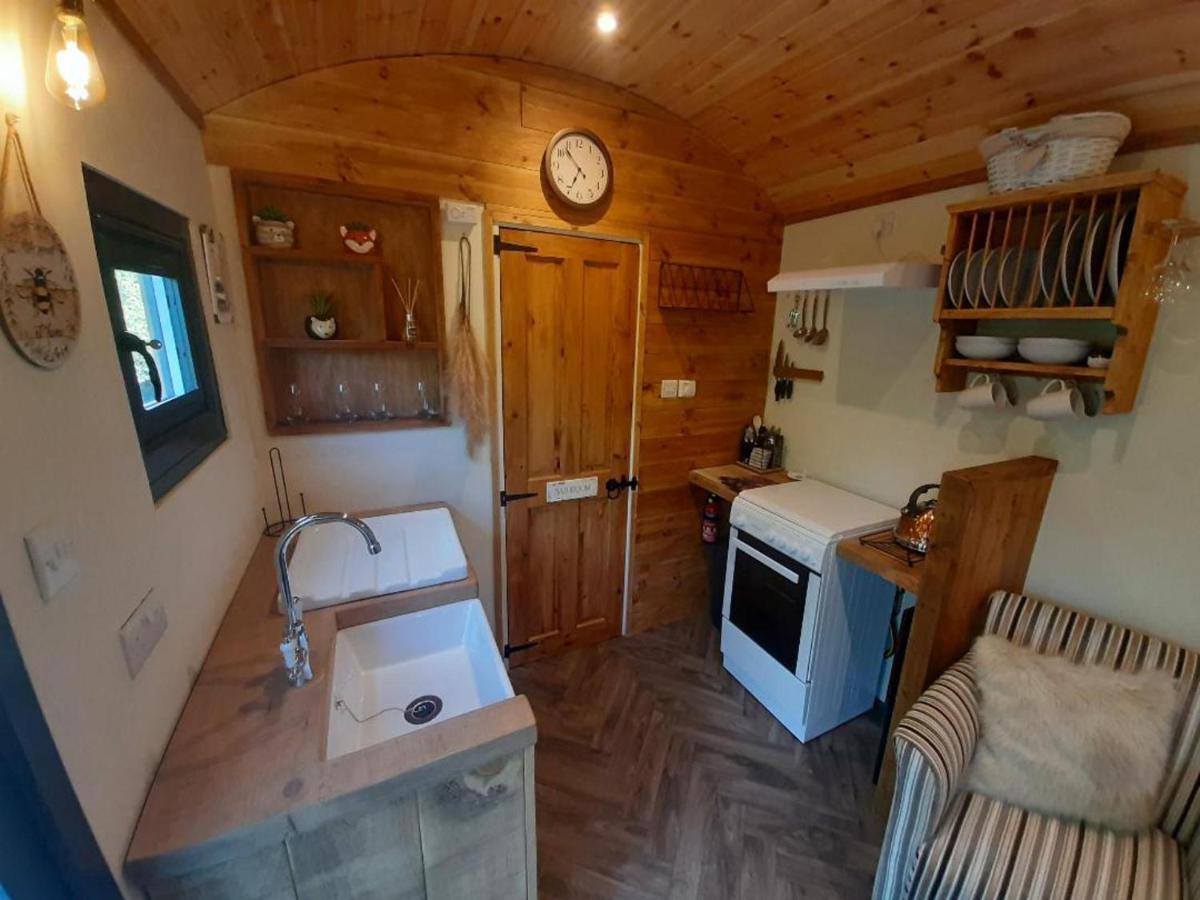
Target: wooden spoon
[{"x": 823, "y": 334}]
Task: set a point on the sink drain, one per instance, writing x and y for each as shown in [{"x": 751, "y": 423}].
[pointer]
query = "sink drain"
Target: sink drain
[{"x": 423, "y": 709}]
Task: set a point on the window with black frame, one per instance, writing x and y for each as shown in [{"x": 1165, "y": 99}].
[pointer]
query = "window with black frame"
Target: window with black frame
[{"x": 145, "y": 255}]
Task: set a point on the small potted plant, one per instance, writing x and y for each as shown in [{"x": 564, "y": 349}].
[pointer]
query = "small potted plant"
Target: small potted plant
[
  {"x": 321, "y": 325},
  {"x": 359, "y": 238},
  {"x": 273, "y": 228}
]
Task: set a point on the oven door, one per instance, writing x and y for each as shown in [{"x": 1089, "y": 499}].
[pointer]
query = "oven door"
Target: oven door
[{"x": 765, "y": 597}]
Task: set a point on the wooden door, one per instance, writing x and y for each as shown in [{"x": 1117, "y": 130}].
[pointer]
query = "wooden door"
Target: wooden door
[{"x": 568, "y": 334}]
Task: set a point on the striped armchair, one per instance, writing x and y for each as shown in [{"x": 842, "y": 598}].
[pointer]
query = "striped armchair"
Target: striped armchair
[{"x": 945, "y": 843}]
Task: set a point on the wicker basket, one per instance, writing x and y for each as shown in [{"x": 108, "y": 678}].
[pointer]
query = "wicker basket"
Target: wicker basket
[{"x": 1064, "y": 148}]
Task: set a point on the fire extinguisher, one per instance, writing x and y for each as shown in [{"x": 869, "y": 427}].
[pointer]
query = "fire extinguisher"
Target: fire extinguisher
[{"x": 708, "y": 527}]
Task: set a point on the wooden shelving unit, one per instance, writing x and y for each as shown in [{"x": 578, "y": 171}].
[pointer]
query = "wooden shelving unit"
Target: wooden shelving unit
[
  {"x": 1023, "y": 220},
  {"x": 370, "y": 347}
]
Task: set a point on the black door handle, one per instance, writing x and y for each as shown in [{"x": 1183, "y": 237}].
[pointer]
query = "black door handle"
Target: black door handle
[
  {"x": 128, "y": 342},
  {"x": 614, "y": 486}
]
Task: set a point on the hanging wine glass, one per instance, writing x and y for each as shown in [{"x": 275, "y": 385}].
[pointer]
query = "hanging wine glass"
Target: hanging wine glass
[{"x": 1173, "y": 276}]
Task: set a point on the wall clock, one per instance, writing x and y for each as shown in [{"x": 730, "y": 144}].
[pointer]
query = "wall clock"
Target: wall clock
[{"x": 578, "y": 168}]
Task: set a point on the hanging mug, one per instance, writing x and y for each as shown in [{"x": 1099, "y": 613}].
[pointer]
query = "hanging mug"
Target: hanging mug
[
  {"x": 985, "y": 392},
  {"x": 1059, "y": 399}
]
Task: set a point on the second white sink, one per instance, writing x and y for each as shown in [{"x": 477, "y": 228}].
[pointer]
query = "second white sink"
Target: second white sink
[{"x": 396, "y": 675}]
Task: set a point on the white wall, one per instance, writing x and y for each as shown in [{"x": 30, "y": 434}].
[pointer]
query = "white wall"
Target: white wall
[
  {"x": 70, "y": 453},
  {"x": 1120, "y": 532},
  {"x": 391, "y": 468}
]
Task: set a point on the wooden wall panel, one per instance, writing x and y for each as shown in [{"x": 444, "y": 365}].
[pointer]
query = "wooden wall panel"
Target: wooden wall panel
[{"x": 475, "y": 129}]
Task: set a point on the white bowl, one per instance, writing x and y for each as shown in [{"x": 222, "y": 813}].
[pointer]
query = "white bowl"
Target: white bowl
[
  {"x": 980, "y": 346},
  {"x": 1053, "y": 351}
]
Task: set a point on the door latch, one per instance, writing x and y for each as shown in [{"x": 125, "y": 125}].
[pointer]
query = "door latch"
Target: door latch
[
  {"x": 507, "y": 498},
  {"x": 499, "y": 246},
  {"x": 510, "y": 649},
  {"x": 614, "y": 486}
]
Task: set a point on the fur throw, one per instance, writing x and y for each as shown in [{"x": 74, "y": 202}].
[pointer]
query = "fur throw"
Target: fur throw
[{"x": 1070, "y": 740}]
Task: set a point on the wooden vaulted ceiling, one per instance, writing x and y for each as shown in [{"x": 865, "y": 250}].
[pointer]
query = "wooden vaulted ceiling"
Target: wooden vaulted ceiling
[{"x": 827, "y": 104}]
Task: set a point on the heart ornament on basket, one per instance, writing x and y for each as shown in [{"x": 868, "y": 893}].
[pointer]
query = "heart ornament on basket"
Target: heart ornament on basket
[{"x": 39, "y": 302}]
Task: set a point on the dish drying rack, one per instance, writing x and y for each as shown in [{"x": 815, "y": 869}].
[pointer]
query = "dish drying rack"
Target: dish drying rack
[{"x": 1025, "y": 222}]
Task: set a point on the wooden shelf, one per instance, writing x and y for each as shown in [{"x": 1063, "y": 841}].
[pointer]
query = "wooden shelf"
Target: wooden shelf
[
  {"x": 1028, "y": 221},
  {"x": 297, "y": 370},
  {"x": 1090, "y": 313},
  {"x": 310, "y": 257},
  {"x": 337, "y": 345},
  {"x": 887, "y": 567},
  {"x": 335, "y": 427},
  {"x": 1032, "y": 370}
]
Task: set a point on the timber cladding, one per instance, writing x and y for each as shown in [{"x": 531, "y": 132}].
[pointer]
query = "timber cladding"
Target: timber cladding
[{"x": 473, "y": 128}]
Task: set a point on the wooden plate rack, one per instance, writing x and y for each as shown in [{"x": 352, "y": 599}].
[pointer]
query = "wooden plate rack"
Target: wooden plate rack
[{"x": 1019, "y": 225}]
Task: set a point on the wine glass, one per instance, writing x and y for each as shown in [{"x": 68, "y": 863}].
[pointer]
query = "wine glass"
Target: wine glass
[
  {"x": 294, "y": 406},
  {"x": 1173, "y": 276},
  {"x": 379, "y": 405},
  {"x": 342, "y": 405}
]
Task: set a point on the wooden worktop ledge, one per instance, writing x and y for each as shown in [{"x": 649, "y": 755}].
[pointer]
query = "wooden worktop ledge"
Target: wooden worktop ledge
[{"x": 248, "y": 752}]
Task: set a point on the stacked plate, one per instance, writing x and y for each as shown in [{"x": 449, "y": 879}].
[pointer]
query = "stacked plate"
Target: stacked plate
[{"x": 1082, "y": 257}]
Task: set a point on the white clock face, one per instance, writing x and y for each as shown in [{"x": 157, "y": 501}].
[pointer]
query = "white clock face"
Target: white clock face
[{"x": 579, "y": 169}]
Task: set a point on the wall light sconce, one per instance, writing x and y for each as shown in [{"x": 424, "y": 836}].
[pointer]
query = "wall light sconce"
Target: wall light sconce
[{"x": 73, "y": 73}]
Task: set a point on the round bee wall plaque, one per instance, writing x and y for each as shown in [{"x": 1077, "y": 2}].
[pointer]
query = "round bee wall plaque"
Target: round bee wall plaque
[{"x": 39, "y": 302}]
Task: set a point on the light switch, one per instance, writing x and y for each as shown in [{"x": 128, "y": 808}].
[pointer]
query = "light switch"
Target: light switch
[
  {"x": 141, "y": 633},
  {"x": 687, "y": 388},
  {"x": 668, "y": 388},
  {"x": 51, "y": 551}
]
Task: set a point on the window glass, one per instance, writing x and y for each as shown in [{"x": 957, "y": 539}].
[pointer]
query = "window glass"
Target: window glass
[{"x": 153, "y": 310}]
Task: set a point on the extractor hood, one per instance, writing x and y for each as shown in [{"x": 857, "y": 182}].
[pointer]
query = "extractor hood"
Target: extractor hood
[{"x": 874, "y": 275}]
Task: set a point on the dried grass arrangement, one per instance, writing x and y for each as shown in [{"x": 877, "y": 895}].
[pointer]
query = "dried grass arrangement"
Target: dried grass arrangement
[{"x": 468, "y": 387}]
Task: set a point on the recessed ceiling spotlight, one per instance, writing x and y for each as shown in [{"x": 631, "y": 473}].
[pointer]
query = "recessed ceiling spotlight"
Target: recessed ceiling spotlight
[{"x": 606, "y": 22}]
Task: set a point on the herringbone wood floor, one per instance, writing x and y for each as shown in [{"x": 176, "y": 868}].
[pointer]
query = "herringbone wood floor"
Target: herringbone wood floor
[{"x": 659, "y": 776}]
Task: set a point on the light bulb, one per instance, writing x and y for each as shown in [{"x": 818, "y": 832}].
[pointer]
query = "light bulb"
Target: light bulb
[
  {"x": 73, "y": 73},
  {"x": 606, "y": 22}
]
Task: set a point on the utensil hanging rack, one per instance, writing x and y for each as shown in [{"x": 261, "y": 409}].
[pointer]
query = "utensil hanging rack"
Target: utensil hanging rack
[{"x": 688, "y": 286}]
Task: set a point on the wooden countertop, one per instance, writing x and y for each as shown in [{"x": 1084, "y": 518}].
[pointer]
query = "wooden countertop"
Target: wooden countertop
[
  {"x": 248, "y": 751},
  {"x": 729, "y": 481},
  {"x": 886, "y": 566}
]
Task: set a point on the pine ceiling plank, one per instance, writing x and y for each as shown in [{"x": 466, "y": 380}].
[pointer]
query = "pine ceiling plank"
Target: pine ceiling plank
[
  {"x": 388, "y": 27},
  {"x": 1000, "y": 80},
  {"x": 497, "y": 20},
  {"x": 824, "y": 100},
  {"x": 915, "y": 50},
  {"x": 742, "y": 47},
  {"x": 187, "y": 59},
  {"x": 881, "y": 76},
  {"x": 821, "y": 31}
]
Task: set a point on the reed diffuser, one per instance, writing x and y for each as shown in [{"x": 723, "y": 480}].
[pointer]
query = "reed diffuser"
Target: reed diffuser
[{"x": 408, "y": 299}]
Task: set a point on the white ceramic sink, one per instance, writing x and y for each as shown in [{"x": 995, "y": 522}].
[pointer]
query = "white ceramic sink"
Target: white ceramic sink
[
  {"x": 381, "y": 668},
  {"x": 331, "y": 564}
]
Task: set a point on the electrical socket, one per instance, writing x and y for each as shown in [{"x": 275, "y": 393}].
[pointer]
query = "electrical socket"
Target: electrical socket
[
  {"x": 668, "y": 388},
  {"x": 141, "y": 633},
  {"x": 687, "y": 388}
]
